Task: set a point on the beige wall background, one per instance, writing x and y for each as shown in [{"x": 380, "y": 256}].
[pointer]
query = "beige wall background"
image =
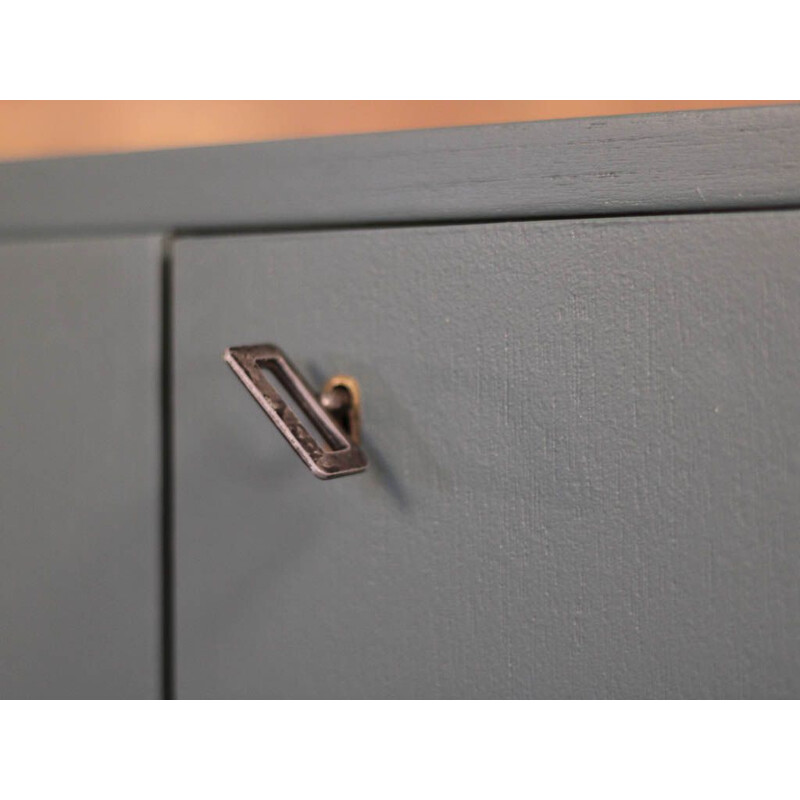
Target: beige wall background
[{"x": 36, "y": 129}]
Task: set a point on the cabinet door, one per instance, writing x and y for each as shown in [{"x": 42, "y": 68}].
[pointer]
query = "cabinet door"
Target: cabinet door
[
  {"x": 585, "y": 461},
  {"x": 80, "y": 469}
]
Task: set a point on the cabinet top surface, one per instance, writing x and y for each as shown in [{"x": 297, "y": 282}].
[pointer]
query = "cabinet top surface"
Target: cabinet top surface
[{"x": 732, "y": 159}]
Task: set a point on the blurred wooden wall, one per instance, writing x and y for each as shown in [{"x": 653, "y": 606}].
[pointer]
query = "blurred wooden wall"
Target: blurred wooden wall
[{"x": 34, "y": 129}]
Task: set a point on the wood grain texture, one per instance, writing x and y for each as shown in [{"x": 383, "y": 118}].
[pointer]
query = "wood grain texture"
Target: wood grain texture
[
  {"x": 585, "y": 450},
  {"x": 80, "y": 469},
  {"x": 51, "y": 128},
  {"x": 683, "y": 161}
]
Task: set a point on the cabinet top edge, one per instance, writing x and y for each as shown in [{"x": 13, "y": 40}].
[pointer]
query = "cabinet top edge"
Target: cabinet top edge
[{"x": 682, "y": 161}]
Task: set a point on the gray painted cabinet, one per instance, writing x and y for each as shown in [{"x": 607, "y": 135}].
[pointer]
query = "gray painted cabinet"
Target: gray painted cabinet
[
  {"x": 578, "y": 348},
  {"x": 585, "y": 444},
  {"x": 80, "y": 469}
]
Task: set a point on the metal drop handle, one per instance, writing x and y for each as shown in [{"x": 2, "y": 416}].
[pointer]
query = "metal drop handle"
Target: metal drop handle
[{"x": 336, "y": 413}]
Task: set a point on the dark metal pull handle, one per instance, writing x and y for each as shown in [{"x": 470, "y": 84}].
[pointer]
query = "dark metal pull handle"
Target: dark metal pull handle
[{"x": 336, "y": 414}]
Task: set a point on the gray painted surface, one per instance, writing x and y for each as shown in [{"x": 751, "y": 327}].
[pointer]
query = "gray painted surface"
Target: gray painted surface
[
  {"x": 80, "y": 469},
  {"x": 684, "y": 161},
  {"x": 585, "y": 447}
]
